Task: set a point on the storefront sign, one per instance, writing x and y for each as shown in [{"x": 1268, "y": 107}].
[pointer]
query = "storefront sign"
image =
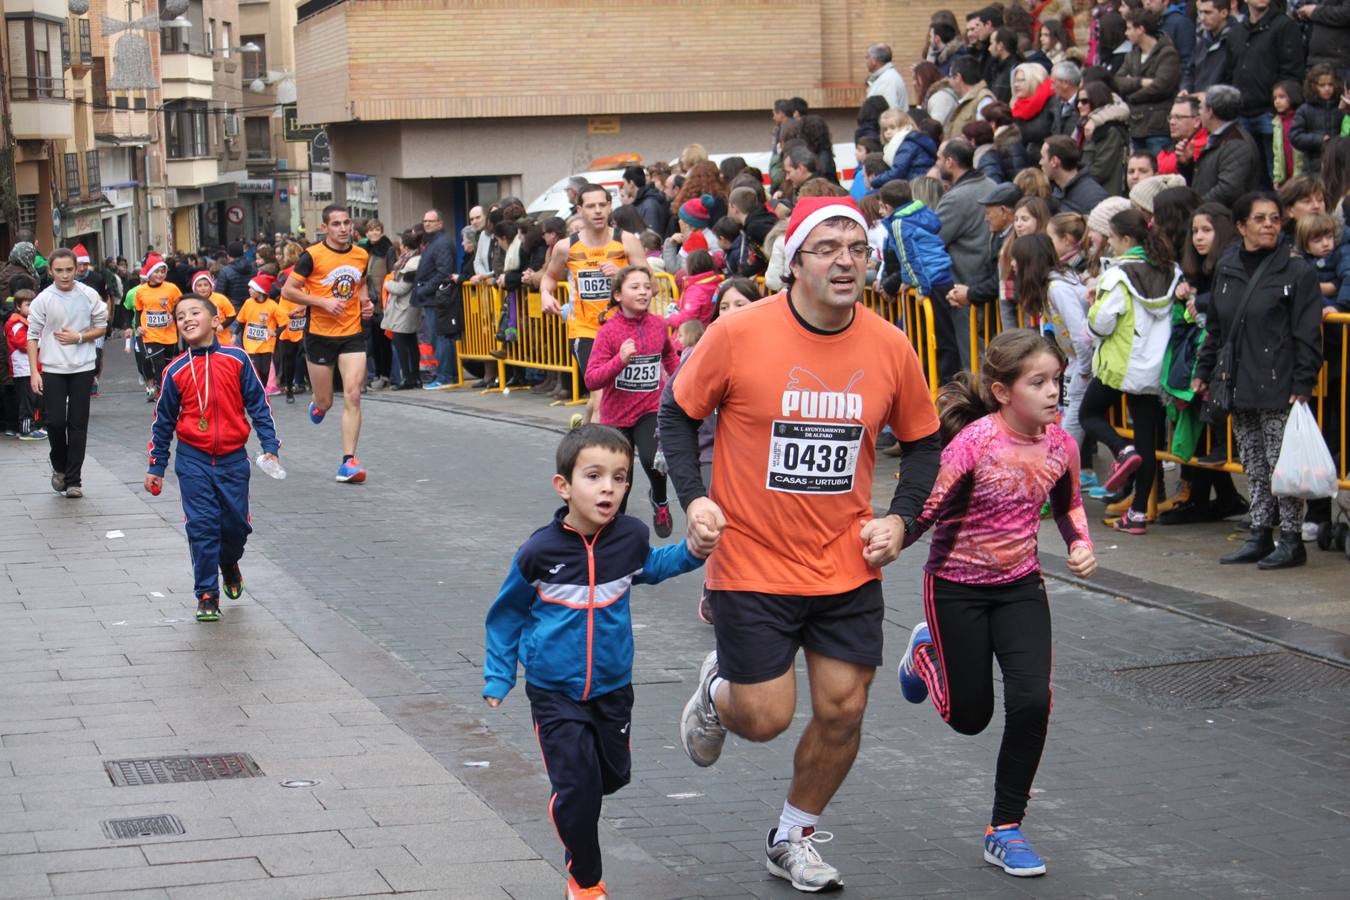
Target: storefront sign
[
  {"x": 294, "y": 129},
  {"x": 256, "y": 186}
]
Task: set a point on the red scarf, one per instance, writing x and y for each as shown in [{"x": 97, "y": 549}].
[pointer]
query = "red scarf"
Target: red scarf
[{"x": 1028, "y": 108}]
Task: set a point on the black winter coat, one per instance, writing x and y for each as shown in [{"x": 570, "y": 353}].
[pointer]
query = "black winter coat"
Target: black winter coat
[
  {"x": 233, "y": 280},
  {"x": 654, "y": 207},
  {"x": 1278, "y": 351},
  {"x": 1104, "y": 156},
  {"x": 434, "y": 268},
  {"x": 1215, "y": 58},
  {"x": 1329, "y": 34},
  {"x": 1273, "y": 53},
  {"x": 1229, "y": 167},
  {"x": 1314, "y": 121}
]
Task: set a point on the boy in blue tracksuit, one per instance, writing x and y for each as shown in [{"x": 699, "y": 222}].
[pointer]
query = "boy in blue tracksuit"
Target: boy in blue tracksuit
[{"x": 563, "y": 613}]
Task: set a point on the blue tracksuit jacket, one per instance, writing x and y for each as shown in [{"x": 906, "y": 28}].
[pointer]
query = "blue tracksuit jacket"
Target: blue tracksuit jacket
[{"x": 563, "y": 609}]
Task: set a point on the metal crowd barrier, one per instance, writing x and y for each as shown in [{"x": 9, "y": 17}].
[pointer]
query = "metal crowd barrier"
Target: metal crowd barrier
[
  {"x": 913, "y": 315},
  {"x": 482, "y": 306},
  {"x": 665, "y": 292},
  {"x": 541, "y": 340}
]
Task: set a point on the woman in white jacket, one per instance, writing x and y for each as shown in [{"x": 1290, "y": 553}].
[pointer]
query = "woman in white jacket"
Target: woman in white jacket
[{"x": 401, "y": 317}]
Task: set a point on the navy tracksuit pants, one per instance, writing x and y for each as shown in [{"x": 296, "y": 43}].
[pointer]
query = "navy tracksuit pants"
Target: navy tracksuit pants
[
  {"x": 586, "y": 750},
  {"x": 215, "y": 507}
]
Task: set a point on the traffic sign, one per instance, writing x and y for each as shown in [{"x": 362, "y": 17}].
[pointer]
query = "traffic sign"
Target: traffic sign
[{"x": 235, "y": 214}]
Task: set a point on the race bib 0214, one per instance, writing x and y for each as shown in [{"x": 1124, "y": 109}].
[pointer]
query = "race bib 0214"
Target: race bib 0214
[
  {"x": 641, "y": 375},
  {"x": 813, "y": 457},
  {"x": 156, "y": 319},
  {"x": 592, "y": 284}
]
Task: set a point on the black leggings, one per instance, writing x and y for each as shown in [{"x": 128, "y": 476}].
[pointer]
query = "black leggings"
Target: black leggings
[
  {"x": 288, "y": 354},
  {"x": 1145, "y": 414},
  {"x": 262, "y": 364},
  {"x": 409, "y": 358},
  {"x": 643, "y": 436},
  {"x": 157, "y": 358},
  {"x": 972, "y": 624}
]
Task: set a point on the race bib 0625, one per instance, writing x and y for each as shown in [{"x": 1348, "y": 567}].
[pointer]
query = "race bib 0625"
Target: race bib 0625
[
  {"x": 813, "y": 457},
  {"x": 641, "y": 375},
  {"x": 592, "y": 284}
]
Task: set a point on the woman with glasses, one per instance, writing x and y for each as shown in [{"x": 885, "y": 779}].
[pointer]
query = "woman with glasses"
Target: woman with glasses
[
  {"x": 1104, "y": 139},
  {"x": 1277, "y": 353}
]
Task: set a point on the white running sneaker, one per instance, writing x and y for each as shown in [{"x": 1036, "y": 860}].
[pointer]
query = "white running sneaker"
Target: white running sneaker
[
  {"x": 701, "y": 734},
  {"x": 797, "y": 861}
]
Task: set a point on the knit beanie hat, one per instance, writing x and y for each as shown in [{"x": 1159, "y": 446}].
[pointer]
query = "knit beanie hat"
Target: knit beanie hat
[
  {"x": 698, "y": 211},
  {"x": 203, "y": 274},
  {"x": 810, "y": 212},
  {"x": 1143, "y": 193},
  {"x": 262, "y": 284},
  {"x": 1099, "y": 220},
  {"x": 81, "y": 254},
  {"x": 153, "y": 262}
]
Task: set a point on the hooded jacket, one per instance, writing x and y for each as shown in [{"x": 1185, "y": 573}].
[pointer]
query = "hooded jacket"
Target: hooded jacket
[
  {"x": 1279, "y": 350},
  {"x": 1214, "y": 57},
  {"x": 563, "y": 611},
  {"x": 914, "y": 242},
  {"x": 914, "y": 157},
  {"x": 1132, "y": 317},
  {"x": 632, "y": 389}
]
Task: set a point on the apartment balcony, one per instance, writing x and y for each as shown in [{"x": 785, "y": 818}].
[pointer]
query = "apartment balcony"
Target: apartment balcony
[
  {"x": 186, "y": 76},
  {"x": 41, "y": 109},
  {"x": 55, "y": 9},
  {"x": 192, "y": 173},
  {"x": 122, "y": 126}
]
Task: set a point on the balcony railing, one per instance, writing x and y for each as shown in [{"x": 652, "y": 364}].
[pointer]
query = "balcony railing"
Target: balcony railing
[{"x": 37, "y": 87}]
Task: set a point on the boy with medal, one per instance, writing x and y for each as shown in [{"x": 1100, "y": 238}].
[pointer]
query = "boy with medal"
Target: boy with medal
[{"x": 207, "y": 398}]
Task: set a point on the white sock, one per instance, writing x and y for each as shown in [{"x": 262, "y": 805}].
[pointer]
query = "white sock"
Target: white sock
[
  {"x": 793, "y": 817},
  {"x": 713, "y": 685}
]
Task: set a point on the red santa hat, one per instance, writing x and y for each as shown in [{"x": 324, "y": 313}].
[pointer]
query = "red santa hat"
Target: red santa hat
[
  {"x": 810, "y": 212},
  {"x": 262, "y": 284},
  {"x": 204, "y": 274},
  {"x": 81, "y": 254},
  {"x": 153, "y": 262}
]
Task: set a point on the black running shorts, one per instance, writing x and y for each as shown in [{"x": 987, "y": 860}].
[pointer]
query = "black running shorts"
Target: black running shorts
[
  {"x": 758, "y": 634},
  {"x": 324, "y": 350}
]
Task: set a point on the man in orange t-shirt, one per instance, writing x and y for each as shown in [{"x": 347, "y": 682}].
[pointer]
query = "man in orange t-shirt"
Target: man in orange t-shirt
[
  {"x": 330, "y": 278},
  {"x": 802, "y": 382}
]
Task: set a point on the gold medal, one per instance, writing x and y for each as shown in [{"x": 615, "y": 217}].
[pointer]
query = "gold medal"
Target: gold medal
[{"x": 201, "y": 424}]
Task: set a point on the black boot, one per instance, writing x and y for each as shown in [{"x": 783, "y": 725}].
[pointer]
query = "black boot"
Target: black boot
[
  {"x": 1257, "y": 548},
  {"x": 1288, "y": 553}
]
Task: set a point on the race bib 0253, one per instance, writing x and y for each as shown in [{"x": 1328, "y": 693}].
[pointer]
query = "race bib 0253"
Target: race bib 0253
[
  {"x": 813, "y": 457},
  {"x": 641, "y": 375}
]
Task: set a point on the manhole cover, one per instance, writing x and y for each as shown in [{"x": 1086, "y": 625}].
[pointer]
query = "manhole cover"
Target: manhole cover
[
  {"x": 1234, "y": 679},
  {"x": 142, "y": 826},
  {"x": 174, "y": 769}
]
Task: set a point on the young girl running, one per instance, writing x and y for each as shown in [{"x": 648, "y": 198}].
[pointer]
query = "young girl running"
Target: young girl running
[
  {"x": 983, "y": 593},
  {"x": 631, "y": 351}
]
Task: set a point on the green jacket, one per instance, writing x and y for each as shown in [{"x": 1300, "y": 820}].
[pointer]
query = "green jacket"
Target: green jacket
[{"x": 1131, "y": 317}]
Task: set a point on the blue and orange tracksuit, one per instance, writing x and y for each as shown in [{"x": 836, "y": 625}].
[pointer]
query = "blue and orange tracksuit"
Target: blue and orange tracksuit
[
  {"x": 212, "y": 466},
  {"x": 563, "y": 612}
]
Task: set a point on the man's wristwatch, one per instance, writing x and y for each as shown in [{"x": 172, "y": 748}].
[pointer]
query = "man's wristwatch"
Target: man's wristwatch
[{"x": 908, "y": 522}]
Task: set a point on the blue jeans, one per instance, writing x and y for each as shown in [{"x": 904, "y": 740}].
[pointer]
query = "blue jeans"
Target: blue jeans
[
  {"x": 1154, "y": 145},
  {"x": 446, "y": 370},
  {"x": 1262, "y": 131}
]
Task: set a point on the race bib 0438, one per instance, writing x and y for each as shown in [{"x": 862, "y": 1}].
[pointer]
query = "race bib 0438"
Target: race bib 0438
[
  {"x": 592, "y": 284},
  {"x": 813, "y": 457},
  {"x": 641, "y": 375}
]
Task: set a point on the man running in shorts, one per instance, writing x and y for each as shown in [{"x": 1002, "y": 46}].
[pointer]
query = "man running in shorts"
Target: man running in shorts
[
  {"x": 588, "y": 259},
  {"x": 330, "y": 278},
  {"x": 803, "y": 383}
]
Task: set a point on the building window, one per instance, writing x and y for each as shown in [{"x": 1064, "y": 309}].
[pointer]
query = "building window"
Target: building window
[
  {"x": 72, "y": 176},
  {"x": 185, "y": 126},
  {"x": 91, "y": 171},
  {"x": 255, "y": 64},
  {"x": 86, "y": 44},
  {"x": 99, "y": 83},
  {"x": 258, "y": 134},
  {"x": 210, "y": 35},
  {"x": 226, "y": 44},
  {"x": 186, "y": 40},
  {"x": 33, "y": 61},
  {"x": 28, "y": 205},
  {"x": 65, "y": 45},
  {"x": 138, "y": 103}
]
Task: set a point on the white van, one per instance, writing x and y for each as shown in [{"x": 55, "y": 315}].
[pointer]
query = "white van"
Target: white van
[{"x": 554, "y": 202}]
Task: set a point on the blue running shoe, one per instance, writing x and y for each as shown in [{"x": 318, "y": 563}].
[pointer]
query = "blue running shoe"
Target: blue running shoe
[
  {"x": 351, "y": 472},
  {"x": 1006, "y": 847},
  {"x": 1087, "y": 479},
  {"x": 314, "y": 415},
  {"x": 1099, "y": 492},
  {"x": 911, "y": 685}
]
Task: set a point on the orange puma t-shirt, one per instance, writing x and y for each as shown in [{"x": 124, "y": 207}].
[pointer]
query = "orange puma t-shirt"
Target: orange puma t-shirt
[{"x": 798, "y": 414}]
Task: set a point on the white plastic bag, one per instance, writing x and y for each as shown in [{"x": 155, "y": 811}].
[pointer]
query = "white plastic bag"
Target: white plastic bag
[{"x": 1305, "y": 469}]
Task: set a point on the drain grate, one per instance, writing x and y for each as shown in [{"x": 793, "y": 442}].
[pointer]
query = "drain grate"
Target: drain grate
[
  {"x": 142, "y": 827},
  {"x": 1235, "y": 679},
  {"x": 176, "y": 769}
]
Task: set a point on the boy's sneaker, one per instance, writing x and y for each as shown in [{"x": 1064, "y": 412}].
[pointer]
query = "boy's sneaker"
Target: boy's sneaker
[
  {"x": 351, "y": 471},
  {"x": 315, "y": 415},
  {"x": 35, "y": 435},
  {"x": 208, "y": 608},
  {"x": 234, "y": 581},
  {"x": 1127, "y": 460},
  {"x": 701, "y": 734},
  {"x": 1087, "y": 480},
  {"x": 797, "y": 860},
  {"x": 577, "y": 892},
  {"x": 1006, "y": 847},
  {"x": 662, "y": 524},
  {"x": 912, "y": 687},
  {"x": 1131, "y": 522}
]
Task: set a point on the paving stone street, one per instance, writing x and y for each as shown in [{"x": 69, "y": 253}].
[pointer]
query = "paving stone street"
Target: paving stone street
[{"x": 355, "y": 659}]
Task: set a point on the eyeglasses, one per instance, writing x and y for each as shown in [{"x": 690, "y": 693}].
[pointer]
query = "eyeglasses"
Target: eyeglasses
[
  {"x": 1176, "y": 118},
  {"x": 858, "y": 252},
  {"x": 1083, "y": 101},
  {"x": 1264, "y": 218},
  {"x": 430, "y": 221}
]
